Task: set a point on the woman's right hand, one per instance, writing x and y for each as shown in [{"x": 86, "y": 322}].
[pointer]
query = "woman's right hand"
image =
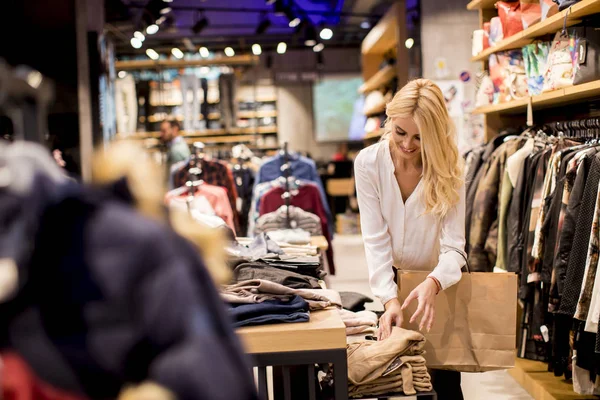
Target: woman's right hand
[{"x": 391, "y": 317}]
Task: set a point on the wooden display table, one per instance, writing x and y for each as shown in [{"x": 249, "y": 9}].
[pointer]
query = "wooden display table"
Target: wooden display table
[{"x": 319, "y": 341}]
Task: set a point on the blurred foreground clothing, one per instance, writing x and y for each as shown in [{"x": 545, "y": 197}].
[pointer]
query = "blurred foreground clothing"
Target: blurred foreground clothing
[{"x": 99, "y": 297}]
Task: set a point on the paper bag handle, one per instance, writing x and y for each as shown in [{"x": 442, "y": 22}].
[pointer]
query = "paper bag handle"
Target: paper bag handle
[{"x": 462, "y": 253}]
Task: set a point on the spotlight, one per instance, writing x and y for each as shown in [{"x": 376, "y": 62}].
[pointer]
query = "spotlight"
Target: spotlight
[
  {"x": 139, "y": 35},
  {"x": 326, "y": 34},
  {"x": 161, "y": 20},
  {"x": 168, "y": 1},
  {"x": 310, "y": 42},
  {"x": 256, "y": 49},
  {"x": 318, "y": 48},
  {"x": 410, "y": 42},
  {"x": 177, "y": 53},
  {"x": 136, "y": 43},
  {"x": 152, "y": 29},
  {"x": 229, "y": 52},
  {"x": 263, "y": 26},
  {"x": 204, "y": 52},
  {"x": 166, "y": 10},
  {"x": 281, "y": 48},
  {"x": 294, "y": 22},
  {"x": 152, "y": 54},
  {"x": 122, "y": 74},
  {"x": 365, "y": 25},
  {"x": 200, "y": 25}
]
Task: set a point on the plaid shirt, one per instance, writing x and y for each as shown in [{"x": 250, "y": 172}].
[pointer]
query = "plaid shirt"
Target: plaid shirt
[{"x": 214, "y": 173}]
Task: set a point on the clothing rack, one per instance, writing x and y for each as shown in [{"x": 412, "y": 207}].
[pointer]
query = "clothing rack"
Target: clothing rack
[
  {"x": 195, "y": 173},
  {"x": 286, "y": 170}
]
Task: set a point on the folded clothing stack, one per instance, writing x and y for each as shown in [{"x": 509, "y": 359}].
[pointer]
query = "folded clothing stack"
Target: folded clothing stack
[
  {"x": 359, "y": 324},
  {"x": 270, "y": 312},
  {"x": 258, "y": 290},
  {"x": 390, "y": 366},
  {"x": 263, "y": 271}
]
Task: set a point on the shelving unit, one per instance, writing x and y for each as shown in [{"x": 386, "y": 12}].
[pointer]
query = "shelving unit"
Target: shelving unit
[
  {"x": 550, "y": 99},
  {"x": 257, "y": 114},
  {"x": 546, "y": 27},
  {"x": 381, "y": 78}
]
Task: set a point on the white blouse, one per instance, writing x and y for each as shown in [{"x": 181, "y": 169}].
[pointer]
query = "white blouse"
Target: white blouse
[{"x": 398, "y": 234}]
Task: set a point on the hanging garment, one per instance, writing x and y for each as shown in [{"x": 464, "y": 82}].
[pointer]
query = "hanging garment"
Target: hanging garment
[
  {"x": 244, "y": 182},
  {"x": 106, "y": 296},
  {"x": 227, "y": 97},
  {"x": 214, "y": 173},
  {"x": 298, "y": 218},
  {"x": 126, "y": 105},
  {"x": 307, "y": 199},
  {"x": 302, "y": 168},
  {"x": 483, "y": 233},
  {"x": 190, "y": 93},
  {"x": 580, "y": 242},
  {"x": 215, "y": 196},
  {"x": 591, "y": 324},
  {"x": 514, "y": 164}
]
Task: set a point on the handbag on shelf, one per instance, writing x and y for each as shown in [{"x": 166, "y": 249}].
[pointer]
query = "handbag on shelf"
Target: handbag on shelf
[
  {"x": 564, "y": 4},
  {"x": 475, "y": 326},
  {"x": 587, "y": 40},
  {"x": 531, "y": 12},
  {"x": 496, "y": 31},
  {"x": 535, "y": 56},
  {"x": 510, "y": 14},
  {"x": 562, "y": 62}
]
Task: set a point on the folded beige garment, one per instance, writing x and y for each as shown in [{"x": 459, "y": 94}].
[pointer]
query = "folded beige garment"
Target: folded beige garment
[
  {"x": 332, "y": 295},
  {"x": 363, "y": 330},
  {"x": 259, "y": 290},
  {"x": 368, "y": 360},
  {"x": 358, "y": 318},
  {"x": 361, "y": 337}
]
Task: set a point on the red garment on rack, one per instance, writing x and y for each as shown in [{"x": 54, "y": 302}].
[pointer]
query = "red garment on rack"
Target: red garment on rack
[
  {"x": 20, "y": 383},
  {"x": 308, "y": 199}
]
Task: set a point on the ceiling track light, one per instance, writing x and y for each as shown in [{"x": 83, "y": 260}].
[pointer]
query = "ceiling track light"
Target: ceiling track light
[
  {"x": 152, "y": 54},
  {"x": 136, "y": 43},
  {"x": 139, "y": 35},
  {"x": 281, "y": 48},
  {"x": 229, "y": 52},
  {"x": 318, "y": 47},
  {"x": 204, "y": 52},
  {"x": 294, "y": 22},
  {"x": 165, "y": 10},
  {"x": 409, "y": 43},
  {"x": 310, "y": 36},
  {"x": 177, "y": 53},
  {"x": 152, "y": 29},
  {"x": 256, "y": 49},
  {"x": 326, "y": 34},
  {"x": 365, "y": 24}
]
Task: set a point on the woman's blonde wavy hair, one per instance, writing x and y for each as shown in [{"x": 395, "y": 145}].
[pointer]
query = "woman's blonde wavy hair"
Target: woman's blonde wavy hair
[{"x": 423, "y": 101}]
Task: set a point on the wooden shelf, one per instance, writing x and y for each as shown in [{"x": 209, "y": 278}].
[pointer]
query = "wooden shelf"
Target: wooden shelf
[
  {"x": 541, "y": 384},
  {"x": 545, "y": 100},
  {"x": 382, "y": 36},
  {"x": 549, "y": 26},
  {"x": 263, "y": 130},
  {"x": 481, "y": 5},
  {"x": 259, "y": 99},
  {"x": 211, "y": 116},
  {"x": 381, "y": 78},
  {"x": 256, "y": 114}
]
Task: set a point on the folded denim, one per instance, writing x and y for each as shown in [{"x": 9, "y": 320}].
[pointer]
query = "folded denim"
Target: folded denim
[
  {"x": 367, "y": 361},
  {"x": 361, "y": 318},
  {"x": 257, "y": 270},
  {"x": 259, "y": 290},
  {"x": 270, "y": 311},
  {"x": 274, "y": 319}
]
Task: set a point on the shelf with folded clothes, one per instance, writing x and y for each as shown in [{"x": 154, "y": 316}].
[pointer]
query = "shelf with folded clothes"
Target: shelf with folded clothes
[
  {"x": 257, "y": 114},
  {"x": 180, "y": 118},
  {"x": 207, "y": 133},
  {"x": 551, "y": 25},
  {"x": 556, "y": 98}
]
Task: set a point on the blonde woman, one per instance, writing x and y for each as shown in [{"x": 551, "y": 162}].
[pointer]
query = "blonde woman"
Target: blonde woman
[{"x": 412, "y": 205}]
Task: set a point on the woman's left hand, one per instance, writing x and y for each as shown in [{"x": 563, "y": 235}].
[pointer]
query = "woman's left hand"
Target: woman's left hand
[{"x": 425, "y": 295}]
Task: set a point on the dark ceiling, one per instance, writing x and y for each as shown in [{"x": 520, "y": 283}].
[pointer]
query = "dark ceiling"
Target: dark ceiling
[{"x": 234, "y": 22}]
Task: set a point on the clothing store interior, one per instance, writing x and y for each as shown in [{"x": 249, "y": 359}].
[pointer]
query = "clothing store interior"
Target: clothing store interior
[{"x": 252, "y": 146}]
